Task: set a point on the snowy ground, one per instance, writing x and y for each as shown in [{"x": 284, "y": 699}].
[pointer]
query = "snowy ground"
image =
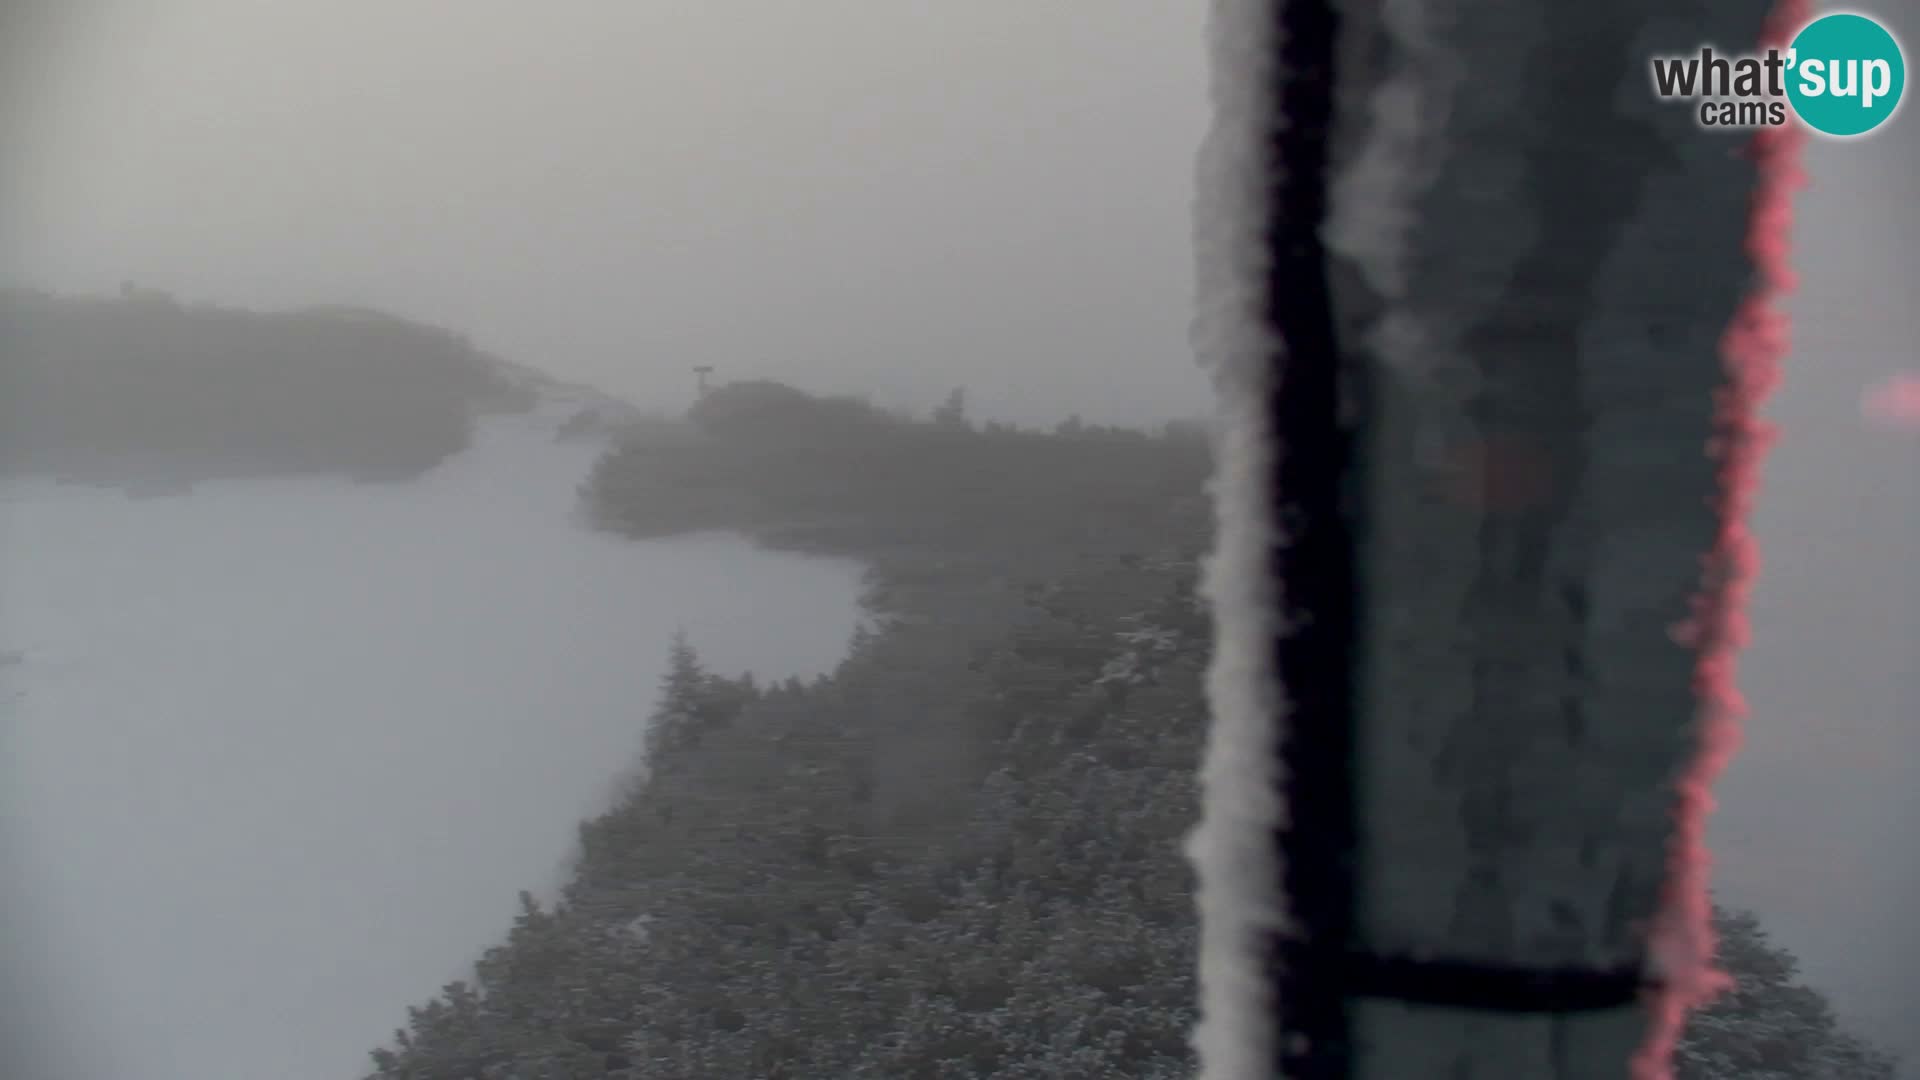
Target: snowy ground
[{"x": 279, "y": 754}]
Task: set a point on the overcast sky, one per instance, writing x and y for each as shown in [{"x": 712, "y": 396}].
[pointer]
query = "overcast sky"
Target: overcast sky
[
  {"x": 1818, "y": 815},
  {"x": 891, "y": 198}
]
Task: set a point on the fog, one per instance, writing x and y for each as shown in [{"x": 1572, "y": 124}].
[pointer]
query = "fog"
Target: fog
[
  {"x": 1815, "y": 828},
  {"x": 281, "y": 754},
  {"x": 884, "y": 198}
]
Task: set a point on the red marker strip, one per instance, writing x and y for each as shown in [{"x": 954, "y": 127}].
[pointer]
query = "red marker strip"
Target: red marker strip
[
  {"x": 1752, "y": 348},
  {"x": 1894, "y": 404}
]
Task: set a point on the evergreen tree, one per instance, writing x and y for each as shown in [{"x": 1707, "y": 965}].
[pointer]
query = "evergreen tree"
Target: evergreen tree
[
  {"x": 953, "y": 411},
  {"x": 687, "y": 703},
  {"x": 959, "y": 854},
  {"x": 1769, "y": 1025}
]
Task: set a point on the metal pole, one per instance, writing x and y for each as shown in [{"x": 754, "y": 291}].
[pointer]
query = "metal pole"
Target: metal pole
[{"x": 1497, "y": 272}]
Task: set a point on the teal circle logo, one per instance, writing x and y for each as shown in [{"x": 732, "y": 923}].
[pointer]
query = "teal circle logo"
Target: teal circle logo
[{"x": 1846, "y": 74}]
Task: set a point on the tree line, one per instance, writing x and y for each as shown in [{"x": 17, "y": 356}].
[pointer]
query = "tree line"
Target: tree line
[
  {"x": 140, "y": 386},
  {"x": 959, "y": 854}
]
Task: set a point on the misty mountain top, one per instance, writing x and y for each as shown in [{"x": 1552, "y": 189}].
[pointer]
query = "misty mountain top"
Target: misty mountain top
[
  {"x": 937, "y": 499},
  {"x": 141, "y": 390}
]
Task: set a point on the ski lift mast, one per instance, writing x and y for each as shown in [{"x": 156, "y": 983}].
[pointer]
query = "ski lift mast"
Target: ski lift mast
[{"x": 1484, "y": 440}]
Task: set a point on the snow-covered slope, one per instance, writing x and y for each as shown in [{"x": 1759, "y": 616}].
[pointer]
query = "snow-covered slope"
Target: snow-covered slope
[{"x": 280, "y": 752}]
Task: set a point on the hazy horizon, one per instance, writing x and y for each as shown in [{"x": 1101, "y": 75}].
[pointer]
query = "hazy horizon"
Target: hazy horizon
[{"x": 847, "y": 196}]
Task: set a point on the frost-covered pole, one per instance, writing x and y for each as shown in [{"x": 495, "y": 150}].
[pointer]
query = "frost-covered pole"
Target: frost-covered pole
[{"x": 1464, "y": 286}]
